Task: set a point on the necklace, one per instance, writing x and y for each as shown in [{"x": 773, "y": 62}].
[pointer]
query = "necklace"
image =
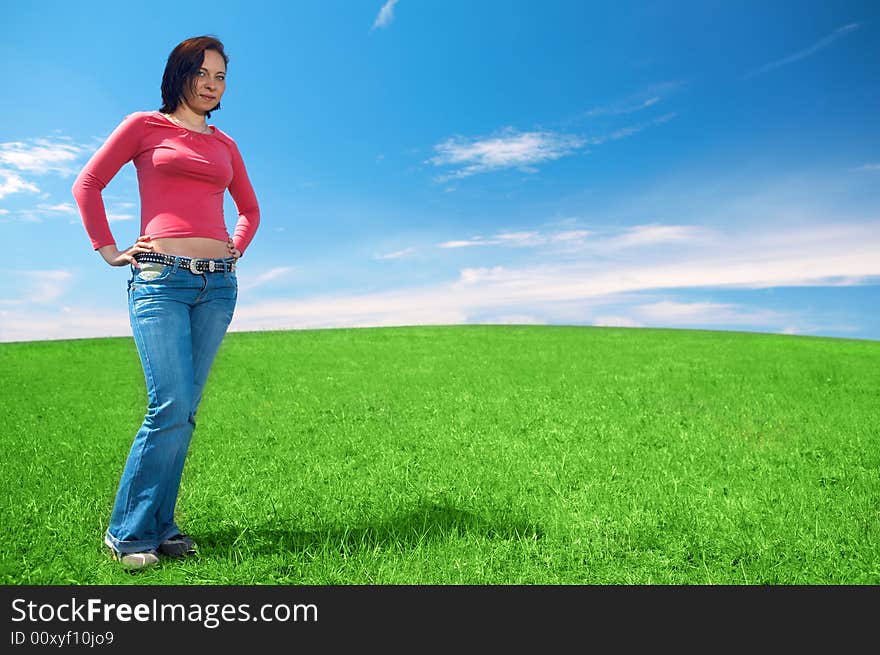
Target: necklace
[{"x": 174, "y": 119}]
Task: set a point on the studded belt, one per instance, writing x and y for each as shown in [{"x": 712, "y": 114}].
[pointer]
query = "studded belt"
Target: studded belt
[{"x": 193, "y": 265}]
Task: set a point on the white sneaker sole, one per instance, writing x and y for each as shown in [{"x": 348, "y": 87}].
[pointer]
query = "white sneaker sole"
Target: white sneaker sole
[{"x": 134, "y": 561}]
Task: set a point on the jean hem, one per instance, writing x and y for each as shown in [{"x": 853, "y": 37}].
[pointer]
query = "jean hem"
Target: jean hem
[{"x": 138, "y": 545}]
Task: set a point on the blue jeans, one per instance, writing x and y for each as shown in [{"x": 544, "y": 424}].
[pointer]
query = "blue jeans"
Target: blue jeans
[{"x": 178, "y": 319}]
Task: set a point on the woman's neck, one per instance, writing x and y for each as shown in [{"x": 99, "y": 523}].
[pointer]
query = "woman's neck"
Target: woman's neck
[{"x": 186, "y": 115}]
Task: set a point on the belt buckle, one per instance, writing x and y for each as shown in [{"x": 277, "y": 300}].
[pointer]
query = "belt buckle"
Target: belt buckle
[{"x": 193, "y": 263}]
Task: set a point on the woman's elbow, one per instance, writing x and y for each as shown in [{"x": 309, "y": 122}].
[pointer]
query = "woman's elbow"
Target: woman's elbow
[
  {"x": 77, "y": 187},
  {"x": 253, "y": 215},
  {"x": 84, "y": 183}
]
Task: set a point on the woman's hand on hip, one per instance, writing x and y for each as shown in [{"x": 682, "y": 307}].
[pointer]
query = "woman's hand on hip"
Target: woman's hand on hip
[
  {"x": 116, "y": 257},
  {"x": 233, "y": 251}
]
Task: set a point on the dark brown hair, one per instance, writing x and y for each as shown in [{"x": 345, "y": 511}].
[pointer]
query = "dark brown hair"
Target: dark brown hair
[{"x": 182, "y": 67}]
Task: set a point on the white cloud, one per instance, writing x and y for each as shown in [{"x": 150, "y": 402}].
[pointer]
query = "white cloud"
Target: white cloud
[
  {"x": 645, "y": 99},
  {"x": 615, "y": 321},
  {"x": 475, "y": 241},
  {"x": 60, "y": 208},
  {"x": 507, "y": 149},
  {"x": 61, "y": 322},
  {"x": 624, "y": 108},
  {"x": 705, "y": 313},
  {"x": 523, "y": 239},
  {"x": 512, "y": 319},
  {"x": 821, "y": 43},
  {"x": 633, "y": 237},
  {"x": 38, "y": 156},
  {"x": 648, "y": 235},
  {"x": 13, "y": 183},
  {"x": 602, "y": 279},
  {"x": 843, "y": 254},
  {"x": 37, "y": 287},
  {"x": 246, "y": 282},
  {"x": 397, "y": 254},
  {"x": 385, "y": 15},
  {"x": 41, "y": 156},
  {"x": 511, "y": 148},
  {"x": 380, "y": 309},
  {"x": 569, "y": 235},
  {"x": 473, "y": 275},
  {"x": 624, "y": 132},
  {"x": 121, "y": 204},
  {"x": 113, "y": 217},
  {"x": 36, "y": 214},
  {"x": 867, "y": 167}
]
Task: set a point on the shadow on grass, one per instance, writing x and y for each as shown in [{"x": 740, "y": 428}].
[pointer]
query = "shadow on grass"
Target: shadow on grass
[{"x": 428, "y": 524}]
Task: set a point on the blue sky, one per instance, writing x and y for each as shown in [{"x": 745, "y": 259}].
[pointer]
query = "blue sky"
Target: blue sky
[{"x": 693, "y": 165}]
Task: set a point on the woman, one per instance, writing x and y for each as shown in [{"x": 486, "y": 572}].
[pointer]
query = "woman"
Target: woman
[{"x": 183, "y": 287}]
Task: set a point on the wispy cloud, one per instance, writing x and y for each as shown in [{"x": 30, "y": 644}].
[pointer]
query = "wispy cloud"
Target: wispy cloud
[
  {"x": 866, "y": 167},
  {"x": 119, "y": 202},
  {"x": 523, "y": 150},
  {"x": 645, "y": 99},
  {"x": 649, "y": 235},
  {"x": 611, "y": 320},
  {"x": 19, "y": 160},
  {"x": 511, "y": 319},
  {"x": 675, "y": 314},
  {"x": 58, "y": 321},
  {"x": 385, "y": 15},
  {"x": 624, "y": 108},
  {"x": 11, "y": 182},
  {"x": 832, "y": 255},
  {"x": 60, "y": 208},
  {"x": 717, "y": 315},
  {"x": 41, "y": 156},
  {"x": 624, "y": 132},
  {"x": 37, "y": 287},
  {"x": 397, "y": 254},
  {"x": 523, "y": 239},
  {"x": 507, "y": 149},
  {"x": 584, "y": 290},
  {"x": 43, "y": 210},
  {"x": 802, "y": 54},
  {"x": 246, "y": 283},
  {"x": 631, "y": 237}
]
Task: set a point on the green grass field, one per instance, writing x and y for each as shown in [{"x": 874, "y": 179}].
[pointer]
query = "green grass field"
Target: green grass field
[{"x": 464, "y": 455}]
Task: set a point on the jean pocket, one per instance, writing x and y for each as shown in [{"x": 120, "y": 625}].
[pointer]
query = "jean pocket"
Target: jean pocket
[{"x": 152, "y": 272}]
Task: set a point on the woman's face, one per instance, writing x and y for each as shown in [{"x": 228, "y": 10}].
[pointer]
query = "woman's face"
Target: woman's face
[{"x": 209, "y": 84}]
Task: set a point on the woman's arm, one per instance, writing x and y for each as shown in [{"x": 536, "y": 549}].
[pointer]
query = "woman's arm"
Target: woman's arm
[
  {"x": 115, "y": 257},
  {"x": 119, "y": 148},
  {"x": 245, "y": 201}
]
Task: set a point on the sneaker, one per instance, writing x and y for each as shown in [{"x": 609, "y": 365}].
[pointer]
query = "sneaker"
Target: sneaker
[
  {"x": 178, "y": 546},
  {"x": 136, "y": 561}
]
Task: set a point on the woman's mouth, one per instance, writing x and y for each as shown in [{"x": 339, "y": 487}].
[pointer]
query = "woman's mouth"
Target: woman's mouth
[{"x": 208, "y": 98}]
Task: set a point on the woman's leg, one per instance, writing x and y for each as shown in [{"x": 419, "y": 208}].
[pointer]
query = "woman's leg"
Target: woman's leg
[
  {"x": 210, "y": 316},
  {"x": 160, "y": 319}
]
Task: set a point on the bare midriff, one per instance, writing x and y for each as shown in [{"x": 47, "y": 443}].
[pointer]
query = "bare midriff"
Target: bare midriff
[{"x": 197, "y": 247}]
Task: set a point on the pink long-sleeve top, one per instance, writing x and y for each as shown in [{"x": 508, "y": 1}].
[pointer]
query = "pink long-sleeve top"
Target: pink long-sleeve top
[{"x": 182, "y": 176}]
